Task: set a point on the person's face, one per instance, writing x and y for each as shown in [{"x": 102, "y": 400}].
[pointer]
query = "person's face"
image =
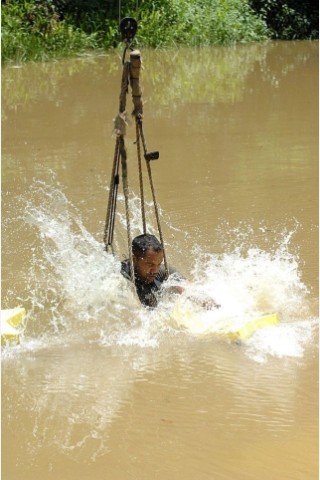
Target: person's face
[{"x": 148, "y": 266}]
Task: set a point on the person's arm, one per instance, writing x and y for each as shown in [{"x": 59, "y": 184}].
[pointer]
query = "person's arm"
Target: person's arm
[{"x": 200, "y": 298}]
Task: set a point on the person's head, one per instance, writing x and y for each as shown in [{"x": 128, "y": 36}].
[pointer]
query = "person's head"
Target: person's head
[{"x": 147, "y": 256}]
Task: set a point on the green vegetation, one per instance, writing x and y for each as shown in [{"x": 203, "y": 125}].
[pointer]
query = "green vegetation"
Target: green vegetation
[
  {"x": 32, "y": 30},
  {"x": 207, "y": 22},
  {"x": 289, "y": 19},
  {"x": 44, "y": 29}
]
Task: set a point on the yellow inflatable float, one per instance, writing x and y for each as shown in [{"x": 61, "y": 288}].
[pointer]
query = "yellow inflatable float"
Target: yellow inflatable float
[
  {"x": 12, "y": 325},
  {"x": 184, "y": 315},
  {"x": 251, "y": 326},
  {"x": 207, "y": 323}
]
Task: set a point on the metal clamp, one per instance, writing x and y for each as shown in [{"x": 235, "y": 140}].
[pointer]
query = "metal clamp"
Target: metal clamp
[{"x": 151, "y": 156}]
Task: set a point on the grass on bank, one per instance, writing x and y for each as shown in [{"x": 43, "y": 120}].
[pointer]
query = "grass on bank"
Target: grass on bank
[
  {"x": 41, "y": 29},
  {"x": 46, "y": 29}
]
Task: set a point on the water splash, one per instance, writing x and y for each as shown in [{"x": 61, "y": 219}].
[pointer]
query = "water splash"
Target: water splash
[
  {"x": 78, "y": 291},
  {"x": 85, "y": 314},
  {"x": 283, "y": 341}
]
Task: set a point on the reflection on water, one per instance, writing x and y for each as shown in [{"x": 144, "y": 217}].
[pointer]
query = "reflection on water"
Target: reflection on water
[
  {"x": 184, "y": 76},
  {"x": 102, "y": 388}
]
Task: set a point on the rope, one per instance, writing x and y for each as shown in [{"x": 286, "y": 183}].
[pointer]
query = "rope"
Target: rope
[
  {"x": 108, "y": 235},
  {"x": 130, "y": 74},
  {"x": 114, "y": 204},
  {"x": 157, "y": 217},
  {"x": 120, "y": 123},
  {"x": 137, "y": 7},
  {"x": 143, "y": 214},
  {"x": 135, "y": 67},
  {"x": 154, "y": 198},
  {"x": 120, "y": 153},
  {"x": 123, "y": 155}
]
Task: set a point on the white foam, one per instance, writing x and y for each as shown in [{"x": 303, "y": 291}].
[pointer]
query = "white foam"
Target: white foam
[
  {"x": 77, "y": 288},
  {"x": 284, "y": 340}
]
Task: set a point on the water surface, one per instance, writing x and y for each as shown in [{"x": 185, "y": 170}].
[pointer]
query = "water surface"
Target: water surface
[{"x": 102, "y": 388}]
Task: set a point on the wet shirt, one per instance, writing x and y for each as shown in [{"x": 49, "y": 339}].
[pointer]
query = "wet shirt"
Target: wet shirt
[{"x": 148, "y": 293}]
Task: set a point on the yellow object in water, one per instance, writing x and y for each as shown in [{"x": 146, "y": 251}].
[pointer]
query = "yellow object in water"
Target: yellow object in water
[
  {"x": 203, "y": 323},
  {"x": 11, "y": 325},
  {"x": 252, "y": 326}
]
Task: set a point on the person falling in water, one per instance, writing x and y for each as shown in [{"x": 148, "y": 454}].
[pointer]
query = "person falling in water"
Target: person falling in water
[{"x": 150, "y": 273}]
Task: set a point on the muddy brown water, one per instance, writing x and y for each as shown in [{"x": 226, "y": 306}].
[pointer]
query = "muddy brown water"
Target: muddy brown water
[{"x": 101, "y": 389}]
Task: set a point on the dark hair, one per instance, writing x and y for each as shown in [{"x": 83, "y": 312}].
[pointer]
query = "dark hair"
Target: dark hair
[{"x": 144, "y": 242}]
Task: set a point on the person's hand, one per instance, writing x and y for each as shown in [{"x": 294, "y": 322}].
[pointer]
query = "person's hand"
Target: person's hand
[
  {"x": 178, "y": 289},
  {"x": 204, "y": 301},
  {"x": 210, "y": 304}
]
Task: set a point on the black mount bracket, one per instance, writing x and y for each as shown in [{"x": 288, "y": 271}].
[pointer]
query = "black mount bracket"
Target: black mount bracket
[{"x": 151, "y": 156}]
